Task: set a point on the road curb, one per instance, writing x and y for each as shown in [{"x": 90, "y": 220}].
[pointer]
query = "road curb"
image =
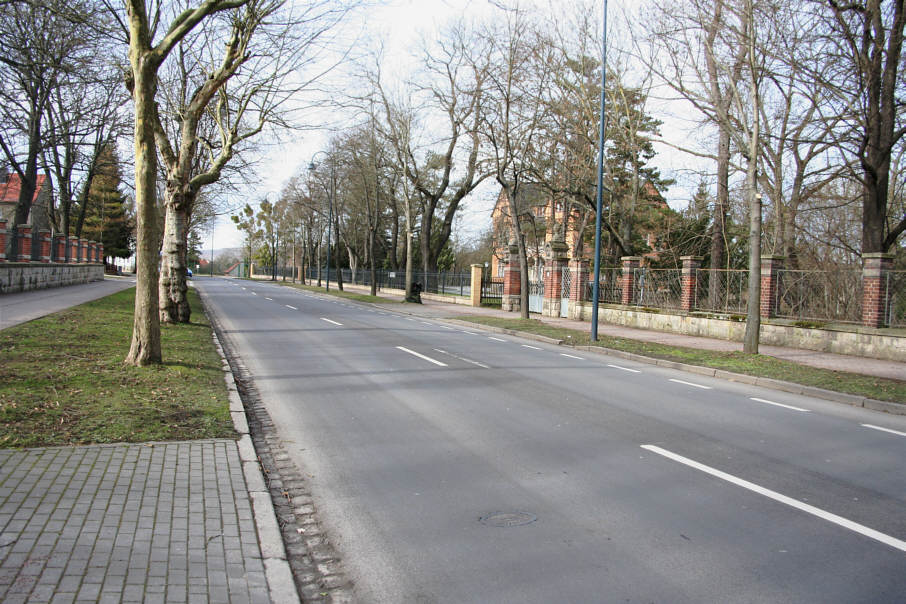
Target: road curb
[{"x": 280, "y": 583}]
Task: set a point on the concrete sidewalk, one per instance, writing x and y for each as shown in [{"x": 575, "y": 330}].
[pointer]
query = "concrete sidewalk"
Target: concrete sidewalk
[
  {"x": 25, "y": 306},
  {"x": 823, "y": 360}
]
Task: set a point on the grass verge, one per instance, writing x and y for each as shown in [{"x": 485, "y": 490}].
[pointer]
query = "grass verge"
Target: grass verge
[
  {"x": 63, "y": 381},
  {"x": 758, "y": 365}
]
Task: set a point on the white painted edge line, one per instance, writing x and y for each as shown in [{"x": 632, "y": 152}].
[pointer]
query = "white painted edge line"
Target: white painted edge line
[
  {"x": 329, "y": 321},
  {"x": 884, "y": 429},
  {"x": 496, "y": 339},
  {"x": 266, "y": 298},
  {"x": 795, "y": 503},
  {"x": 471, "y": 333},
  {"x": 293, "y": 307},
  {"x": 450, "y": 328},
  {"x": 624, "y": 368},
  {"x": 532, "y": 347},
  {"x": 425, "y": 323},
  {"x": 421, "y": 356},
  {"x": 571, "y": 356},
  {"x": 482, "y": 365},
  {"x": 254, "y": 294},
  {"x": 767, "y": 402},
  {"x": 691, "y": 384}
]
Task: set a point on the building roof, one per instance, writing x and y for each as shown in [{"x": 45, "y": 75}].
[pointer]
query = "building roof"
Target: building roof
[{"x": 9, "y": 190}]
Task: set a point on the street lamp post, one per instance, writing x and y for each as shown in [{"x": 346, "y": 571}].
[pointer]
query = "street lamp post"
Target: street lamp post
[
  {"x": 600, "y": 191},
  {"x": 330, "y": 193}
]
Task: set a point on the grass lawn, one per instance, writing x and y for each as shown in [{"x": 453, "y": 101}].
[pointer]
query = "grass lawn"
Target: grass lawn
[
  {"x": 737, "y": 362},
  {"x": 63, "y": 381}
]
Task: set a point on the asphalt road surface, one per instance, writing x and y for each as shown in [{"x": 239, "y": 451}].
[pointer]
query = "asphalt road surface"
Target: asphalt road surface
[
  {"x": 457, "y": 465},
  {"x": 26, "y": 306}
]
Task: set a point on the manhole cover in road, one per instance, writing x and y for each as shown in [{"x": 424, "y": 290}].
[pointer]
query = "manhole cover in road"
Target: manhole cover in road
[{"x": 506, "y": 519}]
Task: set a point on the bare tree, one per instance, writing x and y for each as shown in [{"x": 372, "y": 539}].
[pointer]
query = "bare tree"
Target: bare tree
[
  {"x": 514, "y": 120},
  {"x": 868, "y": 77}
]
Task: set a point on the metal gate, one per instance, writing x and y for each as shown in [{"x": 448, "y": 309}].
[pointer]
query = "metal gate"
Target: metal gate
[
  {"x": 565, "y": 286},
  {"x": 536, "y": 295}
]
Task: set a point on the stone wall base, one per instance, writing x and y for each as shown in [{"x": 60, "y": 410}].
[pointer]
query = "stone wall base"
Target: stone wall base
[
  {"x": 24, "y": 276},
  {"x": 855, "y": 340}
]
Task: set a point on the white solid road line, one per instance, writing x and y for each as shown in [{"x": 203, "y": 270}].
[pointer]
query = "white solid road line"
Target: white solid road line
[
  {"x": 691, "y": 384},
  {"x": 496, "y": 339},
  {"x": 329, "y": 321},
  {"x": 450, "y": 328},
  {"x": 254, "y": 294},
  {"x": 762, "y": 400},
  {"x": 809, "y": 509},
  {"x": 266, "y": 298},
  {"x": 532, "y": 347},
  {"x": 624, "y": 368},
  {"x": 884, "y": 429},
  {"x": 461, "y": 358},
  {"x": 563, "y": 354},
  {"x": 471, "y": 333},
  {"x": 293, "y": 307},
  {"x": 421, "y": 356}
]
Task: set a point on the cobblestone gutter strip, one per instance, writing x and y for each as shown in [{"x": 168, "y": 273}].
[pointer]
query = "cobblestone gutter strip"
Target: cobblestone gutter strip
[{"x": 305, "y": 557}]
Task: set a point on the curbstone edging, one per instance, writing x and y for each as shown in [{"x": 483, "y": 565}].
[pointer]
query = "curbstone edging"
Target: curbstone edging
[{"x": 280, "y": 583}]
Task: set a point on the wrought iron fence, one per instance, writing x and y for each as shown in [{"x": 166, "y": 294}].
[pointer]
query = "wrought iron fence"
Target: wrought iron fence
[
  {"x": 896, "y": 288},
  {"x": 722, "y": 290},
  {"x": 491, "y": 290},
  {"x": 610, "y": 286},
  {"x": 820, "y": 295},
  {"x": 657, "y": 288}
]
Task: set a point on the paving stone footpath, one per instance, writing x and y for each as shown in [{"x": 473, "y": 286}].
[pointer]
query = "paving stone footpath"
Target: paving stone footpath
[{"x": 153, "y": 522}]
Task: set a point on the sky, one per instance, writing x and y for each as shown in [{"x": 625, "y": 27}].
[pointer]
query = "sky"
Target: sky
[{"x": 400, "y": 24}]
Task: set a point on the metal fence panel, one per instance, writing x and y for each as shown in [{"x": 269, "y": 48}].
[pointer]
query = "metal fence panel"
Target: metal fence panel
[
  {"x": 722, "y": 290},
  {"x": 610, "y": 286},
  {"x": 820, "y": 295},
  {"x": 896, "y": 288},
  {"x": 658, "y": 288}
]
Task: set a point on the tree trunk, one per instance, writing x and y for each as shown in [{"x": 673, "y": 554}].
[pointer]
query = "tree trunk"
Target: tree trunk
[
  {"x": 409, "y": 267},
  {"x": 337, "y": 255},
  {"x": 373, "y": 262},
  {"x": 145, "y": 348},
  {"x": 721, "y": 206},
  {"x": 174, "y": 304}
]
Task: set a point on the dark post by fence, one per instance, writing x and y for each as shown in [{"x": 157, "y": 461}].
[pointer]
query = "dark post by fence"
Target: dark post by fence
[
  {"x": 24, "y": 242},
  {"x": 689, "y": 284},
  {"x": 630, "y": 264},
  {"x": 2, "y": 241},
  {"x": 875, "y": 269},
  {"x": 770, "y": 273},
  {"x": 512, "y": 284}
]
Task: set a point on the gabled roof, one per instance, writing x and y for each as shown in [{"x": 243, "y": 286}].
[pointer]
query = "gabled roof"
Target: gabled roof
[{"x": 9, "y": 190}]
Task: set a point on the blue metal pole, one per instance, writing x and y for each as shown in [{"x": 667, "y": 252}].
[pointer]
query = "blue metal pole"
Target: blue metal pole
[{"x": 600, "y": 191}]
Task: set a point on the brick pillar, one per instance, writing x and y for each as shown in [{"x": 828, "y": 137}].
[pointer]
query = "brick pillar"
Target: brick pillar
[
  {"x": 59, "y": 248},
  {"x": 44, "y": 242},
  {"x": 770, "y": 274},
  {"x": 25, "y": 240},
  {"x": 73, "y": 249},
  {"x": 875, "y": 294},
  {"x": 2, "y": 241},
  {"x": 689, "y": 285},
  {"x": 512, "y": 284},
  {"x": 101, "y": 257},
  {"x": 83, "y": 247},
  {"x": 92, "y": 251},
  {"x": 556, "y": 261},
  {"x": 475, "y": 288},
  {"x": 579, "y": 276},
  {"x": 630, "y": 263}
]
